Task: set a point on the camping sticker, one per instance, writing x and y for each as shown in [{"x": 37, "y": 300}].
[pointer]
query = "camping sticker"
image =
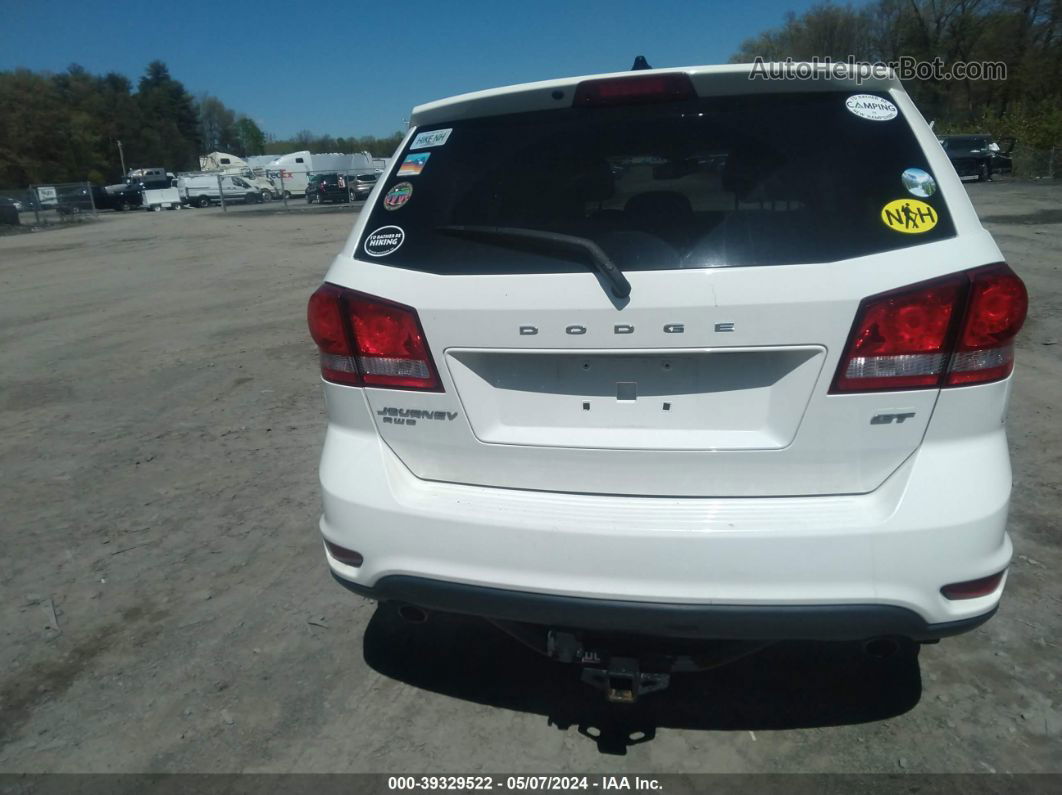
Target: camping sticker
[
  {"x": 909, "y": 216},
  {"x": 425, "y": 140},
  {"x": 919, "y": 183},
  {"x": 397, "y": 196},
  {"x": 413, "y": 164},
  {"x": 384, "y": 241},
  {"x": 868, "y": 106}
]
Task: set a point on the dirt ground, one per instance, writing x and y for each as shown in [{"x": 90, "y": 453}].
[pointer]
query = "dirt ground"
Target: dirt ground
[{"x": 164, "y": 604}]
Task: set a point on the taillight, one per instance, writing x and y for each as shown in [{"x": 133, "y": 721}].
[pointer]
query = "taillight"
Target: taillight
[
  {"x": 954, "y": 331},
  {"x": 366, "y": 341},
  {"x": 667, "y": 87}
]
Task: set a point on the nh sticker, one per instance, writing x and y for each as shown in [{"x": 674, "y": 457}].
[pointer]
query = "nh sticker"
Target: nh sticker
[
  {"x": 868, "y": 106},
  {"x": 425, "y": 140},
  {"x": 384, "y": 241},
  {"x": 909, "y": 216},
  {"x": 413, "y": 164}
]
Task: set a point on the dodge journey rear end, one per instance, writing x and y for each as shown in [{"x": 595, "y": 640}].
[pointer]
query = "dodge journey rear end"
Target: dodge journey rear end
[{"x": 672, "y": 353}]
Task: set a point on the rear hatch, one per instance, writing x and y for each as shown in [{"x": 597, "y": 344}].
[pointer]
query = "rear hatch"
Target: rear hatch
[{"x": 748, "y": 227}]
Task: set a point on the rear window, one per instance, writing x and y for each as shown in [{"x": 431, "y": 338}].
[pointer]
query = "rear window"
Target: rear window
[{"x": 765, "y": 179}]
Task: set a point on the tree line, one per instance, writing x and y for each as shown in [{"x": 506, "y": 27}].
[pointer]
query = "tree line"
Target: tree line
[
  {"x": 67, "y": 127},
  {"x": 1026, "y": 35}
]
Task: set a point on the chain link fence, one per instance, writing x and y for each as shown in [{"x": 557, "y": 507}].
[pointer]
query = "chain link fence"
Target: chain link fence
[
  {"x": 46, "y": 205},
  {"x": 1037, "y": 163}
]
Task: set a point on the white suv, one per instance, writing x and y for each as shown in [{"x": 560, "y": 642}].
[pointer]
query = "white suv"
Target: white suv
[{"x": 673, "y": 353}]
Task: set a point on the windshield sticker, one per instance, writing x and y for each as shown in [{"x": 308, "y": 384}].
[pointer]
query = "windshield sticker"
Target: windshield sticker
[
  {"x": 919, "y": 183},
  {"x": 413, "y": 164},
  {"x": 868, "y": 106},
  {"x": 385, "y": 240},
  {"x": 909, "y": 216},
  {"x": 398, "y": 196},
  {"x": 425, "y": 140}
]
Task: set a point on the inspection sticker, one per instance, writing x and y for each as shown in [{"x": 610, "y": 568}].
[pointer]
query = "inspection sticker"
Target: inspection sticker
[
  {"x": 398, "y": 196},
  {"x": 868, "y": 106},
  {"x": 425, "y": 140},
  {"x": 385, "y": 240},
  {"x": 413, "y": 164},
  {"x": 909, "y": 216}
]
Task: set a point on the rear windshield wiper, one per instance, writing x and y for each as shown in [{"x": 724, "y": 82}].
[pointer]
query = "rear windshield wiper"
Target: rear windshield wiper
[{"x": 605, "y": 266}]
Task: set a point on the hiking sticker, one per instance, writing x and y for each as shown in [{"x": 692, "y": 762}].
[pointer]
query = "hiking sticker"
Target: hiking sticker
[
  {"x": 433, "y": 138},
  {"x": 384, "y": 241},
  {"x": 868, "y": 106},
  {"x": 909, "y": 216}
]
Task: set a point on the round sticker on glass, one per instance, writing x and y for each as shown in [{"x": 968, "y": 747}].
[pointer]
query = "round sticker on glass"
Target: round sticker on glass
[
  {"x": 868, "y": 106},
  {"x": 398, "y": 195},
  {"x": 384, "y": 241},
  {"x": 909, "y": 216},
  {"x": 919, "y": 183}
]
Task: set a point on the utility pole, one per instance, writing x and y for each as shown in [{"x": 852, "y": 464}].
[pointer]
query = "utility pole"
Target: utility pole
[{"x": 121, "y": 154}]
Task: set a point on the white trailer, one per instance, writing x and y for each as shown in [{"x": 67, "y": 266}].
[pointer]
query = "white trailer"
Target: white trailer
[
  {"x": 162, "y": 199},
  {"x": 294, "y": 168}
]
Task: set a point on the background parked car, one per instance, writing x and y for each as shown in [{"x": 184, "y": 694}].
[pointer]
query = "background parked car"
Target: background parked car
[
  {"x": 978, "y": 155},
  {"x": 362, "y": 185},
  {"x": 331, "y": 187}
]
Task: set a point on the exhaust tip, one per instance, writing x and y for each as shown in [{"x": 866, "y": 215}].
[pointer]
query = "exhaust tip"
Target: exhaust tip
[
  {"x": 881, "y": 648},
  {"x": 412, "y": 615}
]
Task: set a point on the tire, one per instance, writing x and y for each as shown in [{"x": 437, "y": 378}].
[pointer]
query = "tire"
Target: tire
[
  {"x": 252, "y": 198},
  {"x": 202, "y": 201},
  {"x": 287, "y": 194},
  {"x": 124, "y": 207},
  {"x": 983, "y": 174},
  {"x": 352, "y": 197},
  {"x": 266, "y": 196},
  {"x": 309, "y": 198}
]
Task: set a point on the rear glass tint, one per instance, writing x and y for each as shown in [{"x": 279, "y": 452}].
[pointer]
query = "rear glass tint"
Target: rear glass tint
[{"x": 764, "y": 179}]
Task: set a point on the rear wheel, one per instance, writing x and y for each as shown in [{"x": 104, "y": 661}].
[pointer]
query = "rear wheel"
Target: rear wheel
[
  {"x": 309, "y": 198},
  {"x": 124, "y": 206},
  {"x": 252, "y": 198},
  {"x": 203, "y": 201},
  {"x": 982, "y": 173},
  {"x": 267, "y": 196}
]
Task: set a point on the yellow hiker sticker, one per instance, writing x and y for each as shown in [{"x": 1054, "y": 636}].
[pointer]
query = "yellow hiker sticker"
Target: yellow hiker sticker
[{"x": 909, "y": 216}]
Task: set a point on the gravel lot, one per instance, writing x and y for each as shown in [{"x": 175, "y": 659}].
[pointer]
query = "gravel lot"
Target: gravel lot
[{"x": 165, "y": 605}]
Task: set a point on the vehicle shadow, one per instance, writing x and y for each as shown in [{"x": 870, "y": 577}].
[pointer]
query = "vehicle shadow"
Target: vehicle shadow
[{"x": 790, "y": 685}]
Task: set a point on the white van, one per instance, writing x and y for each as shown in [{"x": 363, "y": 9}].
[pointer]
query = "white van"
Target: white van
[
  {"x": 233, "y": 164},
  {"x": 201, "y": 190}
]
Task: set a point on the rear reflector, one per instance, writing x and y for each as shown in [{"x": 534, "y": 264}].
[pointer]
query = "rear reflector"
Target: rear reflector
[
  {"x": 954, "y": 331},
  {"x": 367, "y": 341},
  {"x": 972, "y": 589},
  {"x": 667, "y": 87},
  {"x": 344, "y": 555}
]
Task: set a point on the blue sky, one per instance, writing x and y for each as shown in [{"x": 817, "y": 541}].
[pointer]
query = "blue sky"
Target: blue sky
[{"x": 353, "y": 68}]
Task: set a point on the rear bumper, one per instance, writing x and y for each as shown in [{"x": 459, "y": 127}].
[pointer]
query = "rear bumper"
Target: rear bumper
[
  {"x": 720, "y": 622},
  {"x": 831, "y": 566}
]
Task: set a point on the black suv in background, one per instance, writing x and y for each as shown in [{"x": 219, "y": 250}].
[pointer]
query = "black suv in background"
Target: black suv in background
[
  {"x": 978, "y": 155},
  {"x": 328, "y": 188}
]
